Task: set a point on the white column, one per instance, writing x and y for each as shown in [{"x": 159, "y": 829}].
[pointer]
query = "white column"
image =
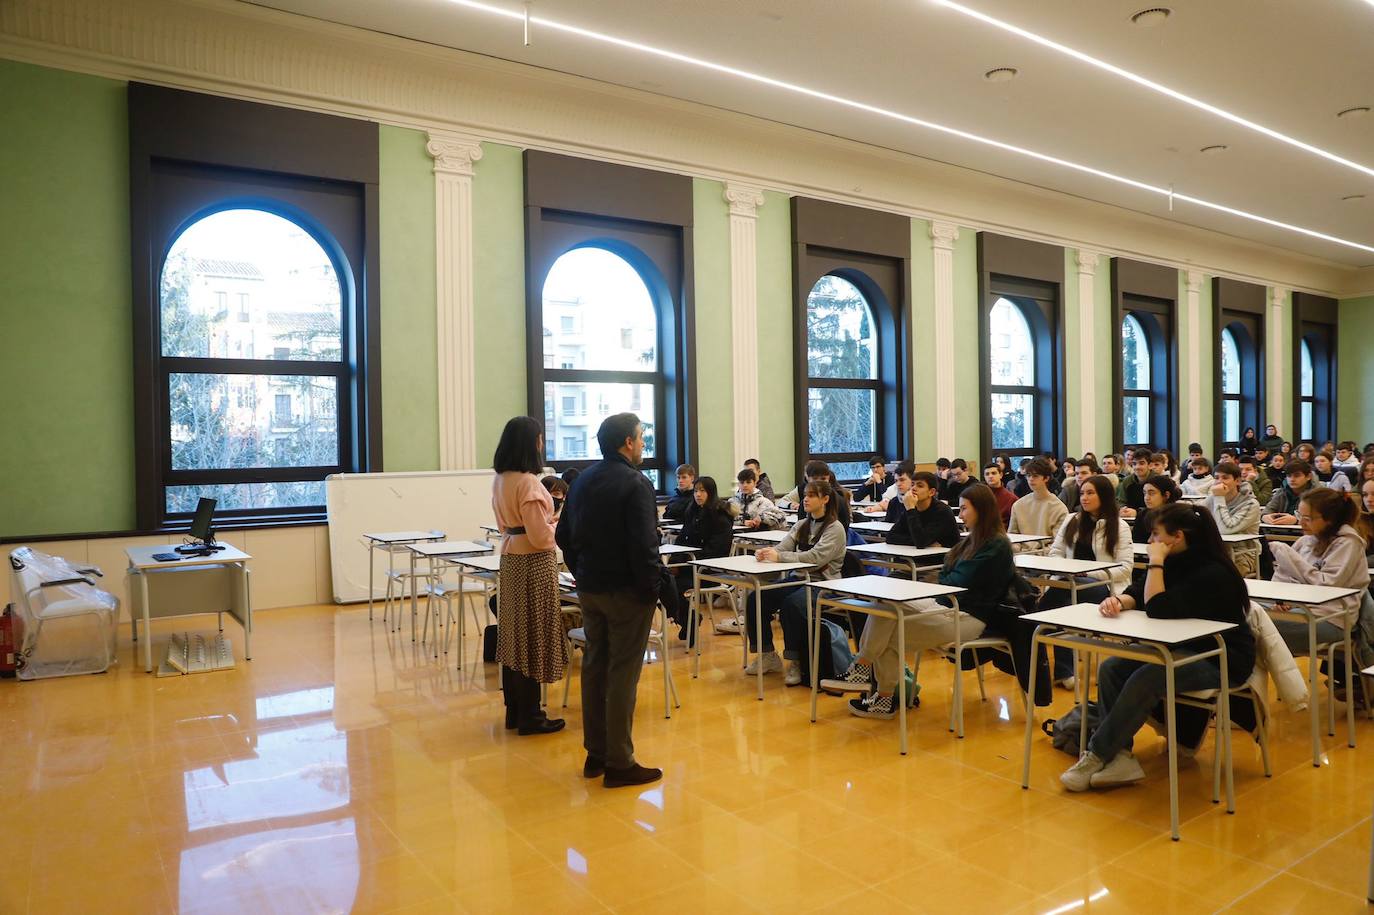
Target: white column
[
  {"x": 1087, "y": 365},
  {"x": 1278, "y": 397},
  {"x": 943, "y": 235},
  {"x": 744, "y": 202},
  {"x": 453, "y": 158},
  {"x": 1193, "y": 305}
]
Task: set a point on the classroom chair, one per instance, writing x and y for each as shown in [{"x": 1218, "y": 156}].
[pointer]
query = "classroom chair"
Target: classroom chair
[{"x": 658, "y": 639}]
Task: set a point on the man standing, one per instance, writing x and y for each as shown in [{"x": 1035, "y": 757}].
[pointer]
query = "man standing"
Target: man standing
[{"x": 609, "y": 537}]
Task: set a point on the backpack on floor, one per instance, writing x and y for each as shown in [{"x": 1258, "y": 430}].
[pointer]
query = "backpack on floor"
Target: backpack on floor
[
  {"x": 1063, "y": 731},
  {"x": 835, "y": 654}
]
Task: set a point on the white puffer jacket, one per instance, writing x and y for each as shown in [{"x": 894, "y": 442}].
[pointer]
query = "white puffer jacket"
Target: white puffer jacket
[
  {"x": 1273, "y": 658},
  {"x": 1120, "y": 575}
]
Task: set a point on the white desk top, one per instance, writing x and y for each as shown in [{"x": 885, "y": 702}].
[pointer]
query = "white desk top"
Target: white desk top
[
  {"x": 1056, "y": 565},
  {"x": 748, "y": 565},
  {"x": 881, "y": 527},
  {"x": 1131, "y": 624},
  {"x": 671, "y": 526},
  {"x": 1025, "y": 538},
  {"x": 404, "y": 536},
  {"x": 905, "y": 551},
  {"x": 450, "y": 548},
  {"x": 883, "y": 587},
  {"x": 141, "y": 557},
  {"x": 481, "y": 563},
  {"x": 1295, "y": 593},
  {"x": 873, "y": 513},
  {"x": 672, "y": 549},
  {"x": 763, "y": 536},
  {"x": 1143, "y": 549},
  {"x": 1294, "y": 528}
]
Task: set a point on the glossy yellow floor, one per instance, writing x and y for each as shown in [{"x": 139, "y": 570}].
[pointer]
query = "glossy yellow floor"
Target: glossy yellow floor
[{"x": 344, "y": 770}]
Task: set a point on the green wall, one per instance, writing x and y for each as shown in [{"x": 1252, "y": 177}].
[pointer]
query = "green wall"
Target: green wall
[
  {"x": 714, "y": 340},
  {"x": 967, "y": 434},
  {"x": 777, "y": 436},
  {"x": 922, "y": 394},
  {"x": 498, "y": 281},
  {"x": 1355, "y": 369},
  {"x": 410, "y": 404},
  {"x": 66, "y": 319}
]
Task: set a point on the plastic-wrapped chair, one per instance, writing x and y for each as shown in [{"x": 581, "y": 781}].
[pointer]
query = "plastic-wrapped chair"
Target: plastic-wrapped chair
[{"x": 68, "y": 623}]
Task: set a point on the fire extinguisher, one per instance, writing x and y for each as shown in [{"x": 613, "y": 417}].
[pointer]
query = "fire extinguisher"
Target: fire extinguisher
[{"x": 9, "y": 643}]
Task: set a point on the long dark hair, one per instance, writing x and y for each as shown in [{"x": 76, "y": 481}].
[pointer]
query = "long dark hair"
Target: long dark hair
[
  {"x": 1081, "y": 526},
  {"x": 1166, "y": 486},
  {"x": 1334, "y": 508},
  {"x": 987, "y": 527},
  {"x": 713, "y": 500},
  {"x": 1197, "y": 524},
  {"x": 518, "y": 449}
]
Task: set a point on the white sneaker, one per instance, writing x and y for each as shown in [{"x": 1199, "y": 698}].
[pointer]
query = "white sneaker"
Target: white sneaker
[
  {"x": 792, "y": 675},
  {"x": 857, "y": 679},
  {"x": 730, "y": 626},
  {"x": 873, "y": 706},
  {"x": 1123, "y": 770},
  {"x": 772, "y": 664},
  {"x": 1067, "y": 682},
  {"x": 1078, "y": 777}
]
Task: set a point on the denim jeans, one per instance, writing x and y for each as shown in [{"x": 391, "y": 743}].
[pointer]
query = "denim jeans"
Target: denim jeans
[
  {"x": 1090, "y": 589},
  {"x": 1294, "y": 635},
  {"x": 790, "y": 605},
  {"x": 1129, "y": 692}
]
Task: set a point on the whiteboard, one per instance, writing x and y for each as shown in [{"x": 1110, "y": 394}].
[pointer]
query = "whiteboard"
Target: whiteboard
[{"x": 456, "y": 502}]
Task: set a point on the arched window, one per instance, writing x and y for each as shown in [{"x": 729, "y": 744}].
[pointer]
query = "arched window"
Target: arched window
[
  {"x": 1230, "y": 386},
  {"x": 601, "y": 353},
  {"x": 1307, "y": 392},
  {"x": 252, "y": 346},
  {"x": 1012, "y": 377},
  {"x": 842, "y": 376},
  {"x": 1135, "y": 382}
]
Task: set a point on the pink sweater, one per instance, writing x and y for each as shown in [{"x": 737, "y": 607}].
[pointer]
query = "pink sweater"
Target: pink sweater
[{"x": 520, "y": 500}]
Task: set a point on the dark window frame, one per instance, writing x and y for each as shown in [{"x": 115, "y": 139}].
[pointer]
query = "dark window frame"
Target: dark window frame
[
  {"x": 872, "y": 250},
  {"x": 1149, "y": 292},
  {"x": 193, "y": 154},
  {"x": 1314, "y": 320},
  {"x": 1031, "y": 275},
  {"x": 644, "y": 217},
  {"x": 1240, "y": 307}
]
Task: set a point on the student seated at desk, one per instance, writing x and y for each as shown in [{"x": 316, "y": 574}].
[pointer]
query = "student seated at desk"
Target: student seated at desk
[
  {"x": 765, "y": 484},
  {"x": 819, "y": 539},
  {"x": 1260, "y": 486},
  {"x": 1283, "y": 505},
  {"x": 1346, "y": 462},
  {"x": 892, "y": 504},
  {"x": 709, "y": 526},
  {"x": 959, "y": 478},
  {"x": 1130, "y": 492},
  {"x": 1083, "y": 469},
  {"x": 1330, "y": 552},
  {"x": 1160, "y": 491},
  {"x": 678, "y": 502},
  {"x": 1199, "y": 482},
  {"x": 1190, "y": 576},
  {"x": 1038, "y": 512},
  {"x": 1365, "y": 522},
  {"x": 1236, "y": 511},
  {"x": 1095, "y": 532},
  {"x": 1324, "y": 469},
  {"x": 993, "y": 476},
  {"x": 981, "y": 563},
  {"x": 1019, "y": 485},
  {"x": 756, "y": 511},
  {"x": 820, "y": 470},
  {"x": 877, "y": 483},
  {"x": 925, "y": 519}
]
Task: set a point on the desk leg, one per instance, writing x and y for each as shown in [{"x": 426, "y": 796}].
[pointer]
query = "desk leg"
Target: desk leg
[
  {"x": 694, "y": 619},
  {"x": 147, "y": 624},
  {"x": 1224, "y": 727},
  {"x": 1313, "y": 697},
  {"x": 1030, "y": 710},
  {"x": 901, "y": 680},
  {"x": 247, "y": 612},
  {"x": 758, "y": 620},
  {"x": 1349, "y": 687},
  {"x": 958, "y": 671},
  {"x": 813, "y": 647},
  {"x": 414, "y": 599},
  {"x": 1171, "y": 715},
  {"x": 371, "y": 574}
]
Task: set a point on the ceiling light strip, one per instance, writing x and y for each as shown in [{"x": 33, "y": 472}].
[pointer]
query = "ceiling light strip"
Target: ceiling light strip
[
  {"x": 1152, "y": 85},
  {"x": 519, "y": 16}
]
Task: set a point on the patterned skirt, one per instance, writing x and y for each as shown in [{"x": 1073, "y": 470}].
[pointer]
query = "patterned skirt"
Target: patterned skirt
[{"x": 530, "y": 633}]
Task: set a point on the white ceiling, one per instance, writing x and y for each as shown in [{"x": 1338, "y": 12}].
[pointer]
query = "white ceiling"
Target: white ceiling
[{"x": 1287, "y": 64}]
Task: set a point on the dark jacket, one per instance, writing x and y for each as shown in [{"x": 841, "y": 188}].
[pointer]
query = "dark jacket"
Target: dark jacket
[
  {"x": 953, "y": 489},
  {"x": 1272, "y": 442},
  {"x": 1130, "y": 493},
  {"x": 926, "y": 528},
  {"x": 709, "y": 528},
  {"x": 678, "y": 503},
  {"x": 986, "y": 574},
  {"x": 1200, "y": 587},
  {"x": 766, "y": 487},
  {"x": 608, "y": 532},
  {"x": 1020, "y": 486},
  {"x": 871, "y": 491}
]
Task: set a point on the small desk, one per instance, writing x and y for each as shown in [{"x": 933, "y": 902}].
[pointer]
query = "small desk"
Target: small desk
[
  {"x": 1136, "y": 636},
  {"x": 746, "y": 572},
  {"x": 1142, "y": 550},
  {"x": 748, "y": 541},
  {"x": 871, "y": 530},
  {"x": 1042, "y": 568},
  {"x": 446, "y": 549},
  {"x": 191, "y": 585},
  {"x": 1287, "y": 533},
  {"x": 392, "y": 542},
  {"x": 668, "y": 551},
  {"x": 1023, "y": 539},
  {"x": 891, "y": 554},
  {"x": 880, "y": 595},
  {"x": 1303, "y": 603}
]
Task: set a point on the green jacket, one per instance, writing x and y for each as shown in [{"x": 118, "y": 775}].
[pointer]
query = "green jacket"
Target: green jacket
[
  {"x": 986, "y": 574},
  {"x": 1262, "y": 487}
]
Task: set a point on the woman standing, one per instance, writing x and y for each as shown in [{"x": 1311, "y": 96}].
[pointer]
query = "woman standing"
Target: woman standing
[{"x": 530, "y": 642}]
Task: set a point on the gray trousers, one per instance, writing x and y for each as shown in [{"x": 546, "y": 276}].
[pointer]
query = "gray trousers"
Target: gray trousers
[
  {"x": 617, "y": 627},
  {"x": 933, "y": 628}
]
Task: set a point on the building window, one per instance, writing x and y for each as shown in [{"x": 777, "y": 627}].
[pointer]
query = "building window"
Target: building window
[
  {"x": 1230, "y": 387},
  {"x": 244, "y": 315},
  {"x": 842, "y": 376},
  {"x": 1146, "y": 374},
  {"x": 1135, "y": 382},
  {"x": 604, "y": 290},
  {"x": 1016, "y": 396},
  {"x": 1307, "y": 393},
  {"x": 218, "y": 445}
]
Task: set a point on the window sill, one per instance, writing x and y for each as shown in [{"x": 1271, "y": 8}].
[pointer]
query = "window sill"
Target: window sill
[{"x": 247, "y": 522}]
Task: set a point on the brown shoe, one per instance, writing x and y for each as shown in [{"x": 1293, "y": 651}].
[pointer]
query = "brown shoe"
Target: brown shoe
[{"x": 634, "y": 775}]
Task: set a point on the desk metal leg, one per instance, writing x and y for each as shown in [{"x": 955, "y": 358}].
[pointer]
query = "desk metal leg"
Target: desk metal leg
[
  {"x": 1349, "y": 686},
  {"x": 813, "y": 647},
  {"x": 1313, "y": 697},
  {"x": 694, "y": 620},
  {"x": 1030, "y": 709},
  {"x": 414, "y": 598},
  {"x": 1171, "y": 715},
  {"x": 758, "y": 620},
  {"x": 371, "y": 574},
  {"x": 147, "y": 624},
  {"x": 901, "y": 679},
  {"x": 1224, "y": 727},
  {"x": 247, "y": 612}
]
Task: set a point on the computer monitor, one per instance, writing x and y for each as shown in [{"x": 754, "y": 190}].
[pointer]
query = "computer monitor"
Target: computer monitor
[{"x": 200, "y": 525}]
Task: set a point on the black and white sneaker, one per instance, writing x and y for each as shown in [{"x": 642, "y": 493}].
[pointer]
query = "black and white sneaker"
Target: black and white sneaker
[
  {"x": 857, "y": 679},
  {"x": 873, "y": 705}
]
